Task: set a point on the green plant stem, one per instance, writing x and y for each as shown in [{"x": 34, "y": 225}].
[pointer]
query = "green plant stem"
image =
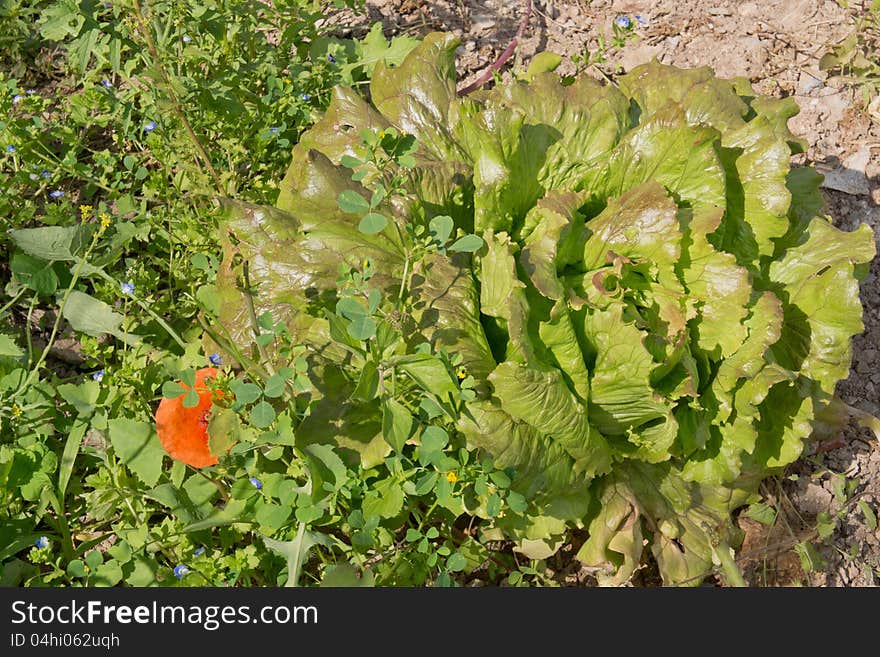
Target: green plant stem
[
  {"x": 403, "y": 280},
  {"x": 51, "y": 159},
  {"x": 13, "y": 300},
  {"x": 243, "y": 361},
  {"x": 728, "y": 565},
  {"x": 220, "y": 488},
  {"x": 27, "y": 329},
  {"x": 64, "y": 528},
  {"x": 175, "y": 101},
  {"x": 73, "y": 281},
  {"x": 255, "y": 326},
  {"x": 428, "y": 514},
  {"x": 146, "y": 308}
]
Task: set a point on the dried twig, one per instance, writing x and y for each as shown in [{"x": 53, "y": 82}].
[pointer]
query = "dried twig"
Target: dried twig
[{"x": 504, "y": 56}]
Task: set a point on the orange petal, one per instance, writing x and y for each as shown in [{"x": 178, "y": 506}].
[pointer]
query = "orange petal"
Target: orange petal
[{"x": 183, "y": 431}]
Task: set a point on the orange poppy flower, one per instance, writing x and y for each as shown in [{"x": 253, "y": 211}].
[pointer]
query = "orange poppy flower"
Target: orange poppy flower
[{"x": 183, "y": 431}]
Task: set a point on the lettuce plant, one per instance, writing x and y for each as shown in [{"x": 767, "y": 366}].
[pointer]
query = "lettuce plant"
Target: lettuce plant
[{"x": 655, "y": 319}]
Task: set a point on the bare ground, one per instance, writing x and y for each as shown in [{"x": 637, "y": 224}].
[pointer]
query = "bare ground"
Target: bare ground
[{"x": 776, "y": 44}]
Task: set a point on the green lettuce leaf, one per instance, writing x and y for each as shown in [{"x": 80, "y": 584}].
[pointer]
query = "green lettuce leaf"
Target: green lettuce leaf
[
  {"x": 656, "y": 320},
  {"x": 419, "y": 96},
  {"x": 542, "y": 400},
  {"x": 819, "y": 346}
]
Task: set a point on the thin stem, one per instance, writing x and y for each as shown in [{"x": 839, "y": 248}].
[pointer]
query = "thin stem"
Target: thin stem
[
  {"x": 73, "y": 281},
  {"x": 255, "y": 326},
  {"x": 504, "y": 56},
  {"x": 61, "y": 516},
  {"x": 27, "y": 329},
  {"x": 403, "y": 280},
  {"x": 244, "y": 362},
  {"x": 223, "y": 492},
  {"x": 146, "y": 308},
  {"x": 175, "y": 101},
  {"x": 52, "y": 159},
  {"x": 13, "y": 300},
  {"x": 728, "y": 565},
  {"x": 428, "y": 514}
]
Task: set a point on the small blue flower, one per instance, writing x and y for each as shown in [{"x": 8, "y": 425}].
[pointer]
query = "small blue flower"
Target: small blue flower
[
  {"x": 181, "y": 571},
  {"x": 42, "y": 542},
  {"x": 10, "y": 148},
  {"x": 29, "y": 91},
  {"x": 622, "y": 22},
  {"x": 331, "y": 59},
  {"x": 127, "y": 288},
  {"x": 187, "y": 38},
  {"x": 256, "y": 482},
  {"x": 106, "y": 83},
  {"x": 306, "y": 96},
  {"x": 98, "y": 376},
  {"x": 17, "y": 98},
  {"x": 641, "y": 20},
  {"x": 274, "y": 129},
  {"x": 56, "y": 194},
  {"x": 199, "y": 551},
  {"x": 46, "y": 174},
  {"x": 150, "y": 126},
  {"x": 215, "y": 359}
]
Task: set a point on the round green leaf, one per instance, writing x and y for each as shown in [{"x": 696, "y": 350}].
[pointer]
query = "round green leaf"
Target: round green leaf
[
  {"x": 456, "y": 562},
  {"x": 493, "y": 505},
  {"x": 441, "y": 228},
  {"x": 262, "y": 415},
  {"x": 372, "y": 223},
  {"x": 350, "y": 308},
  {"x": 362, "y": 328},
  {"x": 274, "y": 386},
  {"x": 172, "y": 390},
  {"x": 76, "y": 568},
  {"x": 94, "y": 559},
  {"x": 516, "y": 502},
  {"x": 467, "y": 244},
  {"x": 352, "y": 202},
  {"x": 191, "y": 399},
  {"x": 245, "y": 393}
]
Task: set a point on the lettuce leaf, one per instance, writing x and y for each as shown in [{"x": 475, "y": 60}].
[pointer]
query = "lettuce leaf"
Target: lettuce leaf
[{"x": 656, "y": 321}]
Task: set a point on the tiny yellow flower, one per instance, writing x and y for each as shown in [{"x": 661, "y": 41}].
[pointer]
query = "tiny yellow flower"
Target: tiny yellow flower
[
  {"x": 365, "y": 264},
  {"x": 105, "y": 221},
  {"x": 287, "y": 80},
  {"x": 461, "y": 374},
  {"x": 16, "y": 411},
  {"x": 451, "y": 477},
  {"x": 84, "y": 210},
  {"x": 381, "y": 134}
]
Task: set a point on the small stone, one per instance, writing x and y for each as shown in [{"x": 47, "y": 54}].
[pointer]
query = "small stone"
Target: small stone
[
  {"x": 850, "y": 177},
  {"x": 482, "y": 22},
  {"x": 815, "y": 499},
  {"x": 874, "y": 107},
  {"x": 809, "y": 81},
  {"x": 640, "y": 54}
]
